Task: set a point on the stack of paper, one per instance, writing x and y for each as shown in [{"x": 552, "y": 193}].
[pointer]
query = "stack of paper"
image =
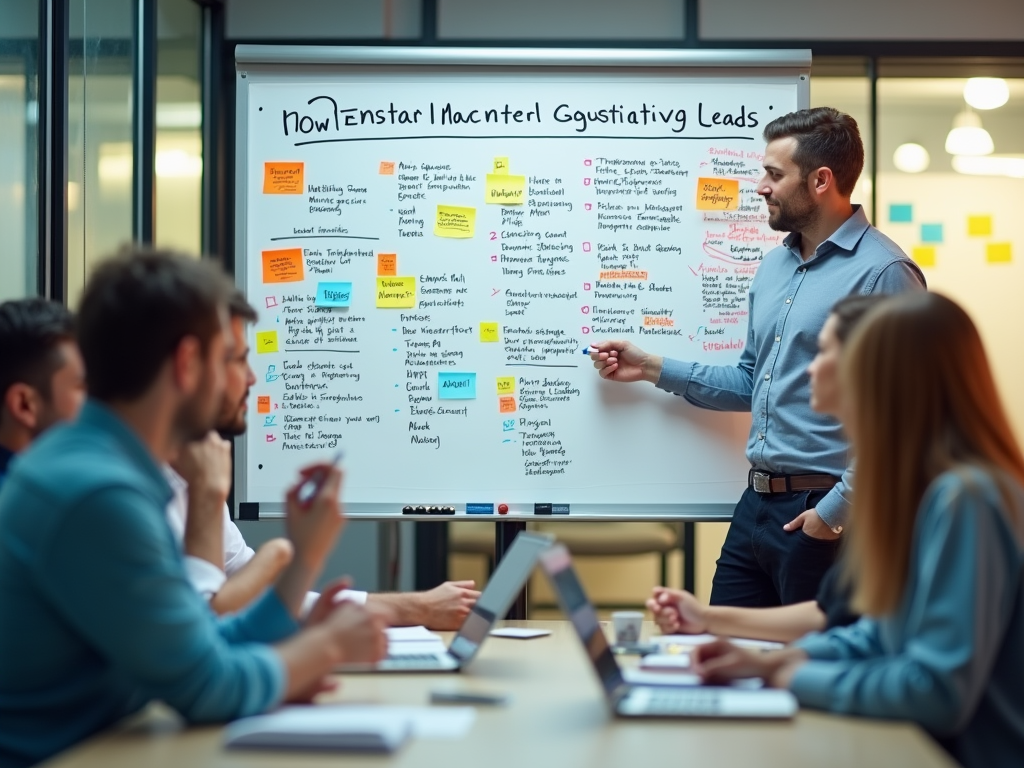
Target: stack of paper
[
  {"x": 348, "y": 727},
  {"x": 405, "y": 641}
]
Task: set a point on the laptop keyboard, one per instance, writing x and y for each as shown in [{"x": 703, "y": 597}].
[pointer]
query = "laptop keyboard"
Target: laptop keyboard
[
  {"x": 682, "y": 701},
  {"x": 416, "y": 661}
]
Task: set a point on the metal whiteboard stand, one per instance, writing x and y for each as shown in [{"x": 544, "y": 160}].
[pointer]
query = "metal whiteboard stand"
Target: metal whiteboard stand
[{"x": 432, "y": 540}]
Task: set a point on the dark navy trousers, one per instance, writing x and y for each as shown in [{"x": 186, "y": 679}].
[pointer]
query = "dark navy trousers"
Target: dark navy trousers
[{"x": 762, "y": 565}]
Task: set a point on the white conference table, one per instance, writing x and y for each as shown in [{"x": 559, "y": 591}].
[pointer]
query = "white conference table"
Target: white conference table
[{"x": 556, "y": 717}]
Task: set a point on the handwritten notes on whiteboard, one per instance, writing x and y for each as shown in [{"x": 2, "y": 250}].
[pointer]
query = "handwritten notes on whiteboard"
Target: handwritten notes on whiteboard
[
  {"x": 283, "y": 178},
  {"x": 283, "y": 266},
  {"x": 334, "y": 294},
  {"x": 452, "y": 385},
  {"x": 266, "y": 341},
  {"x": 455, "y": 221},
  {"x": 718, "y": 194},
  {"x": 396, "y": 292}
]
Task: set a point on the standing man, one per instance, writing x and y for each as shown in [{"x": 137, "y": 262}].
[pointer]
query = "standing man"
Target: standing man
[
  {"x": 785, "y": 528},
  {"x": 42, "y": 377}
]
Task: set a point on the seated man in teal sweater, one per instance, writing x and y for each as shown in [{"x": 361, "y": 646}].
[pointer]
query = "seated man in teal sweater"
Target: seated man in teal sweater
[{"x": 97, "y": 612}]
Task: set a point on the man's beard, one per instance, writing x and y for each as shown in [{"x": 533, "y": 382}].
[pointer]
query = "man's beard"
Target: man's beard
[
  {"x": 795, "y": 215},
  {"x": 193, "y": 422},
  {"x": 233, "y": 424}
]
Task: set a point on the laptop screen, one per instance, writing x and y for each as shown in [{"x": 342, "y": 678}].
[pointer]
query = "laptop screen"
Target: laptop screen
[
  {"x": 501, "y": 590},
  {"x": 557, "y": 565}
]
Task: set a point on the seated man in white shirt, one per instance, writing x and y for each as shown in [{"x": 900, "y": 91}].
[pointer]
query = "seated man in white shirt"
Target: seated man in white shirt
[{"x": 220, "y": 564}]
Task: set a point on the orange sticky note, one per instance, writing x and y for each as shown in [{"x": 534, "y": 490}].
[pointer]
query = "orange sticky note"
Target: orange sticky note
[
  {"x": 283, "y": 266},
  {"x": 999, "y": 253},
  {"x": 718, "y": 194},
  {"x": 924, "y": 255},
  {"x": 263, "y": 404},
  {"x": 283, "y": 178},
  {"x": 387, "y": 264},
  {"x": 506, "y": 405},
  {"x": 386, "y": 168}
]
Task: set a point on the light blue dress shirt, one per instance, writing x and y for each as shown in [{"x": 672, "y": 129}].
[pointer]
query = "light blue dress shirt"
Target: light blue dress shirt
[
  {"x": 951, "y": 657},
  {"x": 97, "y": 613},
  {"x": 789, "y": 301}
]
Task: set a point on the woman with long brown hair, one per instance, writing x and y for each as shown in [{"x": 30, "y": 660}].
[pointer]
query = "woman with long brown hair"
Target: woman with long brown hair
[{"x": 936, "y": 547}]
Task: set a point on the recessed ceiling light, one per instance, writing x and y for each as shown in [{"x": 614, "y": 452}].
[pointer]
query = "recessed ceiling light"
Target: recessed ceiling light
[{"x": 911, "y": 158}]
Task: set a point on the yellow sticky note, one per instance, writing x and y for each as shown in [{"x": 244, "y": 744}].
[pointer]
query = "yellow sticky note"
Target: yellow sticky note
[
  {"x": 283, "y": 178},
  {"x": 999, "y": 253},
  {"x": 455, "y": 221},
  {"x": 979, "y": 226},
  {"x": 488, "y": 332},
  {"x": 505, "y": 189},
  {"x": 506, "y": 385},
  {"x": 266, "y": 341},
  {"x": 718, "y": 194},
  {"x": 501, "y": 165},
  {"x": 924, "y": 255},
  {"x": 396, "y": 292}
]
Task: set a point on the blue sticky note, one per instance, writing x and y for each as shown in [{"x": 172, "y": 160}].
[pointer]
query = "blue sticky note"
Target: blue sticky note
[
  {"x": 901, "y": 213},
  {"x": 456, "y": 386},
  {"x": 931, "y": 233},
  {"x": 333, "y": 294}
]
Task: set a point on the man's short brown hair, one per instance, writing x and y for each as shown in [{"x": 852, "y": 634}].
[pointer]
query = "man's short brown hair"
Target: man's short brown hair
[
  {"x": 137, "y": 308},
  {"x": 825, "y": 137}
]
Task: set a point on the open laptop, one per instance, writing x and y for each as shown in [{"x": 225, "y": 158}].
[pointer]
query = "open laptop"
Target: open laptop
[
  {"x": 501, "y": 590},
  {"x": 632, "y": 700}
]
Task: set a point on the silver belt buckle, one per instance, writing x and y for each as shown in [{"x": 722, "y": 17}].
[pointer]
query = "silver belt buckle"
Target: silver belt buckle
[{"x": 761, "y": 482}]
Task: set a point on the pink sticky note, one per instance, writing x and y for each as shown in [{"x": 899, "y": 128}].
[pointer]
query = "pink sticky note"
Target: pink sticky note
[
  {"x": 586, "y": 247},
  {"x": 588, "y": 162},
  {"x": 585, "y": 310},
  {"x": 586, "y": 182},
  {"x": 587, "y": 206},
  {"x": 494, "y": 257},
  {"x": 586, "y": 286},
  {"x": 585, "y": 329},
  {"x": 271, "y": 301}
]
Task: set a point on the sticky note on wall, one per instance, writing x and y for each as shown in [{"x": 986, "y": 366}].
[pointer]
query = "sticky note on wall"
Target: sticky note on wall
[
  {"x": 505, "y": 189},
  {"x": 333, "y": 294},
  {"x": 488, "y": 332},
  {"x": 501, "y": 165},
  {"x": 901, "y": 213},
  {"x": 396, "y": 292},
  {"x": 979, "y": 226},
  {"x": 266, "y": 341},
  {"x": 999, "y": 253},
  {"x": 283, "y": 178},
  {"x": 387, "y": 264},
  {"x": 452, "y": 385},
  {"x": 931, "y": 233},
  {"x": 263, "y": 404},
  {"x": 455, "y": 221},
  {"x": 924, "y": 255},
  {"x": 506, "y": 405},
  {"x": 718, "y": 194},
  {"x": 283, "y": 266},
  {"x": 387, "y": 168},
  {"x": 506, "y": 385}
]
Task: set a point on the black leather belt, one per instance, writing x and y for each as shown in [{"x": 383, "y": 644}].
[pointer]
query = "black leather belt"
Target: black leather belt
[{"x": 765, "y": 482}]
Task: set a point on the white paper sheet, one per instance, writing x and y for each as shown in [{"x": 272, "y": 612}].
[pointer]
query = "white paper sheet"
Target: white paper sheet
[
  {"x": 410, "y": 634},
  {"x": 520, "y": 633},
  {"x": 692, "y": 640}
]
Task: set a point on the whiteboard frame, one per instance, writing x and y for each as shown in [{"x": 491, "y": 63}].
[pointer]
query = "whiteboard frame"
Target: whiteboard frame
[{"x": 270, "y": 63}]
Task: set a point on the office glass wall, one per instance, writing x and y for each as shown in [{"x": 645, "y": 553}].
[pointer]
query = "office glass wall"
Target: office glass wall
[
  {"x": 951, "y": 193},
  {"x": 99, "y": 135},
  {"x": 19, "y": 72},
  {"x": 179, "y": 145}
]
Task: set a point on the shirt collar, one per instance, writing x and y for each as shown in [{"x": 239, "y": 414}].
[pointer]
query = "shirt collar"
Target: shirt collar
[
  {"x": 99, "y": 416},
  {"x": 845, "y": 238},
  {"x": 5, "y": 458}
]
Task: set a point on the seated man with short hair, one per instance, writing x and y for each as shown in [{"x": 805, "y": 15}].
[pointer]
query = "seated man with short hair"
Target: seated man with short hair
[{"x": 223, "y": 568}]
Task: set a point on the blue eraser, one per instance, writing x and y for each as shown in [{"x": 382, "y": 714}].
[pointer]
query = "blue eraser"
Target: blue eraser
[{"x": 479, "y": 509}]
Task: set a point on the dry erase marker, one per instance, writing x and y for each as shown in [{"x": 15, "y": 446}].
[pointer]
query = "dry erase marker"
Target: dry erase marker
[{"x": 311, "y": 485}]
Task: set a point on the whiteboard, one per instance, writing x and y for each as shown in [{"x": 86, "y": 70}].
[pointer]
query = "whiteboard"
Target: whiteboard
[{"x": 433, "y": 238}]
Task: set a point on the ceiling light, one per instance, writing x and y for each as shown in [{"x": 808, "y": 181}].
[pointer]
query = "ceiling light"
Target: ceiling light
[
  {"x": 991, "y": 165},
  {"x": 968, "y": 137},
  {"x": 986, "y": 92},
  {"x": 911, "y": 158}
]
